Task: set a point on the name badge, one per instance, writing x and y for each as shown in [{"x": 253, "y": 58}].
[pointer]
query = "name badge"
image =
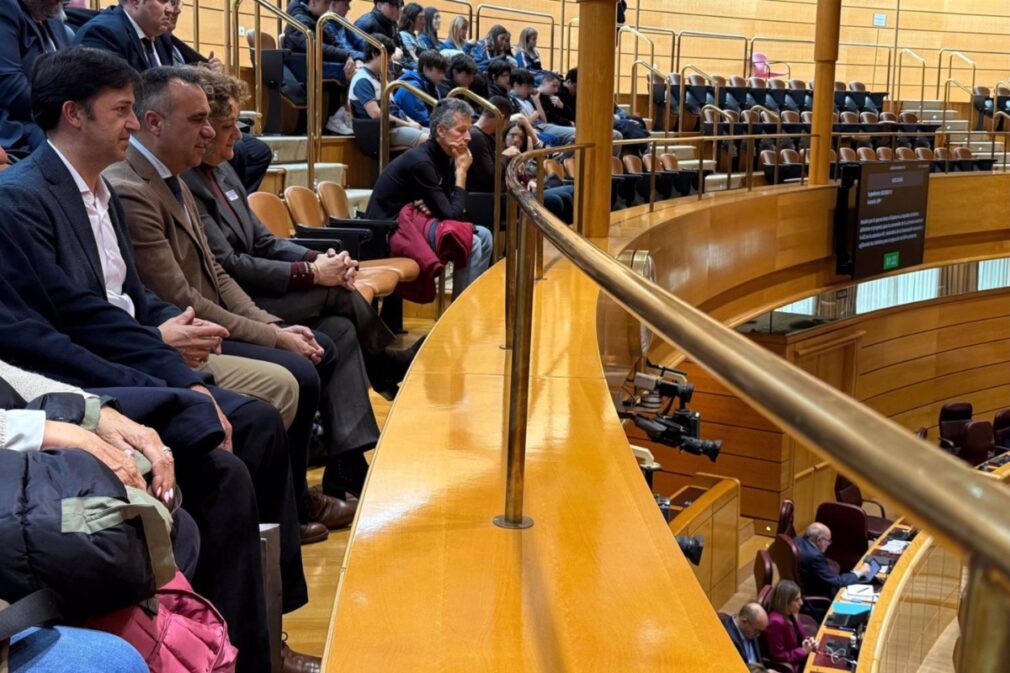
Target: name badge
[{"x": 231, "y": 195}]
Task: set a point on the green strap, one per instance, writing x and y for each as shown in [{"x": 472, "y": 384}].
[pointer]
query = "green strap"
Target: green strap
[{"x": 93, "y": 514}]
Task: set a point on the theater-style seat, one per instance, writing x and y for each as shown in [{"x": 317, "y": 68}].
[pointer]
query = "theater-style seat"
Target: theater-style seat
[
  {"x": 848, "y": 155},
  {"x": 787, "y": 562},
  {"x": 849, "y": 493},
  {"x": 272, "y": 212},
  {"x": 885, "y": 154},
  {"x": 953, "y": 421},
  {"x": 334, "y": 199},
  {"x": 1001, "y": 431},
  {"x": 785, "y": 524},
  {"x": 866, "y": 154},
  {"x": 849, "y": 532},
  {"x": 977, "y": 443},
  {"x": 764, "y": 570},
  {"x": 904, "y": 154}
]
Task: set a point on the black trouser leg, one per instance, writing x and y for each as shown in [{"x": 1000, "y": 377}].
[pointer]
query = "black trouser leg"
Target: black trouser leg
[
  {"x": 218, "y": 493},
  {"x": 301, "y": 426},
  {"x": 251, "y": 161}
]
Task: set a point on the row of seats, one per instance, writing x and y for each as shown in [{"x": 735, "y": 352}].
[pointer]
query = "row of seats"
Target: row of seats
[
  {"x": 973, "y": 441},
  {"x": 791, "y": 162},
  {"x": 986, "y": 104}
]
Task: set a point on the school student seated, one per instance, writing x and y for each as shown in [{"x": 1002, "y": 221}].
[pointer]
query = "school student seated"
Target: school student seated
[{"x": 364, "y": 97}]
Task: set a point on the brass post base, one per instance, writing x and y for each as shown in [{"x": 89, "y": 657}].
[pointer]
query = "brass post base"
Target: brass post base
[{"x": 502, "y": 522}]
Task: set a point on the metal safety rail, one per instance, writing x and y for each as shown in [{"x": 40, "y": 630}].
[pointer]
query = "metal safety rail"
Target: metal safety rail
[
  {"x": 683, "y": 89},
  {"x": 761, "y": 109},
  {"x": 898, "y": 69},
  {"x": 666, "y": 83},
  {"x": 545, "y": 18},
  {"x": 311, "y": 73},
  {"x": 383, "y": 75},
  {"x": 639, "y": 37},
  {"x": 387, "y": 94},
  {"x": 499, "y": 139},
  {"x": 651, "y": 30},
  {"x": 469, "y": 9},
  {"x": 946, "y": 104},
  {"x": 951, "y": 54},
  {"x": 711, "y": 36},
  {"x": 566, "y": 44},
  {"x": 952, "y": 502}
]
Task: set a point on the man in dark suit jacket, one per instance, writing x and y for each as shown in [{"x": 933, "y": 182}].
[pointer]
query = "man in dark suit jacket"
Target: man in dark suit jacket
[
  {"x": 131, "y": 30},
  {"x": 744, "y": 630},
  {"x": 28, "y": 29},
  {"x": 55, "y": 325},
  {"x": 817, "y": 577}
]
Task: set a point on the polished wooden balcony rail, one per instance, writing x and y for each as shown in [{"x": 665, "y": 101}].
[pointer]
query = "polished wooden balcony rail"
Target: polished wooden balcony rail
[{"x": 935, "y": 489}]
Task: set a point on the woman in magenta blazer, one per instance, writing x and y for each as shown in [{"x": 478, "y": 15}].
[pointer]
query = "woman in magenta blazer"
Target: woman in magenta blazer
[{"x": 785, "y": 639}]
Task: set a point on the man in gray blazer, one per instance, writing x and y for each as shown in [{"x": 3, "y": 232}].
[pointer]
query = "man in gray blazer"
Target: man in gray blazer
[{"x": 298, "y": 284}]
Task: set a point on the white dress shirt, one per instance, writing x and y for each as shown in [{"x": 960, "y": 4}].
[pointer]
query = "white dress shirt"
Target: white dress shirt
[
  {"x": 113, "y": 265},
  {"x": 143, "y": 36}
]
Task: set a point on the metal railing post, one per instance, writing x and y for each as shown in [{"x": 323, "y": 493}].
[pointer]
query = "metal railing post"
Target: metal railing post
[
  {"x": 539, "y": 275},
  {"x": 384, "y": 105},
  {"x": 511, "y": 264},
  {"x": 548, "y": 19},
  {"x": 519, "y": 383}
]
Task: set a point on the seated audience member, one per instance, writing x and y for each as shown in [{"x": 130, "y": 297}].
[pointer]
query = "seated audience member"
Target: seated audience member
[
  {"x": 381, "y": 20},
  {"x": 435, "y": 174},
  {"x": 787, "y": 643},
  {"x": 530, "y": 103},
  {"x": 340, "y": 32},
  {"x": 182, "y": 53},
  {"x": 364, "y": 98},
  {"x": 497, "y": 44},
  {"x": 461, "y": 73},
  {"x": 409, "y": 26},
  {"x": 49, "y": 649},
  {"x": 131, "y": 30},
  {"x": 293, "y": 282},
  {"x": 499, "y": 78},
  {"x": 58, "y": 326},
  {"x": 744, "y": 628},
  {"x": 338, "y": 64},
  {"x": 459, "y": 34},
  {"x": 559, "y": 198},
  {"x": 28, "y": 29},
  {"x": 816, "y": 575},
  {"x": 176, "y": 262},
  {"x": 428, "y": 37},
  {"x": 527, "y": 55},
  {"x": 555, "y": 108},
  {"x": 429, "y": 74}
]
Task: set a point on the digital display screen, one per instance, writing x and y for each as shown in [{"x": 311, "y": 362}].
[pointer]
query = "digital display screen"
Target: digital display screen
[
  {"x": 881, "y": 218},
  {"x": 890, "y": 217}
]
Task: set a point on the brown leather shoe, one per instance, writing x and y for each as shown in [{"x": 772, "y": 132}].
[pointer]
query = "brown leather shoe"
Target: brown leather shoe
[
  {"x": 313, "y": 532},
  {"x": 295, "y": 662},
  {"x": 332, "y": 512}
]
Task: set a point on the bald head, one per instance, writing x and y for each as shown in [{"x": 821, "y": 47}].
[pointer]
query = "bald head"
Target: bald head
[
  {"x": 819, "y": 535},
  {"x": 752, "y": 620}
]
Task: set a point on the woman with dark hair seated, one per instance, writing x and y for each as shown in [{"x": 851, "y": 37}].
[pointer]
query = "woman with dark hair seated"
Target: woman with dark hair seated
[{"x": 787, "y": 643}]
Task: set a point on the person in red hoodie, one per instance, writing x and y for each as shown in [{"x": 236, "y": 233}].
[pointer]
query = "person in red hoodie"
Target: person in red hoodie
[{"x": 786, "y": 641}]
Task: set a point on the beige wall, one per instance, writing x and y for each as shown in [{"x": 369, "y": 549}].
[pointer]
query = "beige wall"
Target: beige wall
[{"x": 925, "y": 26}]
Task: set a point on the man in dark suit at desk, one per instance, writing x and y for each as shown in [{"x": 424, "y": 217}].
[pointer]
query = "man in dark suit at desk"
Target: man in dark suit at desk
[
  {"x": 744, "y": 629},
  {"x": 817, "y": 576},
  {"x": 28, "y": 29}
]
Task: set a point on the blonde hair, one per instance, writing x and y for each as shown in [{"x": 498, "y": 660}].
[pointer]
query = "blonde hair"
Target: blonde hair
[
  {"x": 525, "y": 36},
  {"x": 785, "y": 593},
  {"x": 457, "y": 31}
]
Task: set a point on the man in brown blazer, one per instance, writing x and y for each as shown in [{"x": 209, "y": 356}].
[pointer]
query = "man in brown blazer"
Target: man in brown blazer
[{"x": 174, "y": 259}]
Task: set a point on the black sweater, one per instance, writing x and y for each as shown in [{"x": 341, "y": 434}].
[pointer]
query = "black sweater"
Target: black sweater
[{"x": 425, "y": 173}]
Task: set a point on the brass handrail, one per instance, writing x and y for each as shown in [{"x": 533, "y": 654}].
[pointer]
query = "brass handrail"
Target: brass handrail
[
  {"x": 663, "y": 31},
  {"x": 469, "y": 10},
  {"x": 387, "y": 93},
  {"x": 711, "y": 36},
  {"x": 196, "y": 25},
  {"x": 683, "y": 88},
  {"x": 723, "y": 114},
  {"x": 566, "y": 46},
  {"x": 330, "y": 17},
  {"x": 666, "y": 82},
  {"x": 778, "y": 144},
  {"x": 876, "y": 47},
  {"x": 937, "y": 490},
  {"x": 310, "y": 73},
  {"x": 548, "y": 19},
  {"x": 950, "y": 66},
  {"x": 617, "y": 70},
  {"x": 996, "y": 114},
  {"x": 946, "y": 102},
  {"x": 463, "y": 92},
  {"x": 897, "y": 75},
  {"x": 764, "y": 38}
]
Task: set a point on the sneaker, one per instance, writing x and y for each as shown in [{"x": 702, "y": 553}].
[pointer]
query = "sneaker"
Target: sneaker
[{"x": 334, "y": 125}]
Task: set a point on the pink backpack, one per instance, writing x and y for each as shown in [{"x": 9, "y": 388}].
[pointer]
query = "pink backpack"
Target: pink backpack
[{"x": 186, "y": 634}]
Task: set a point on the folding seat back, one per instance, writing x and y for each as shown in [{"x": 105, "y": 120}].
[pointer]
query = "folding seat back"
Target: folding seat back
[
  {"x": 847, "y": 154},
  {"x": 272, "y": 212},
  {"x": 941, "y": 154},
  {"x": 696, "y": 80},
  {"x": 554, "y": 167},
  {"x": 839, "y": 86},
  {"x": 953, "y": 420},
  {"x": 750, "y": 117},
  {"x": 885, "y": 154},
  {"x": 849, "y": 532},
  {"x": 848, "y": 117},
  {"x": 789, "y": 156},
  {"x": 669, "y": 161},
  {"x": 807, "y": 117},
  {"x": 786, "y": 518},
  {"x": 868, "y": 118},
  {"x": 777, "y": 84},
  {"x": 632, "y": 163},
  {"x": 334, "y": 200},
  {"x": 797, "y": 85},
  {"x": 616, "y": 167},
  {"x": 904, "y": 154},
  {"x": 304, "y": 206},
  {"x": 569, "y": 165},
  {"x": 736, "y": 80},
  {"x": 866, "y": 154},
  {"x": 908, "y": 118},
  {"x": 887, "y": 118},
  {"x": 854, "y": 86},
  {"x": 764, "y": 570},
  {"x": 962, "y": 153},
  {"x": 768, "y": 157},
  {"x": 923, "y": 154},
  {"x": 790, "y": 116},
  {"x": 757, "y": 83}
]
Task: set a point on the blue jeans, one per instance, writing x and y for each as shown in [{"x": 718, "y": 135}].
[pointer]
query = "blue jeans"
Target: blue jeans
[
  {"x": 480, "y": 258},
  {"x": 63, "y": 649}
]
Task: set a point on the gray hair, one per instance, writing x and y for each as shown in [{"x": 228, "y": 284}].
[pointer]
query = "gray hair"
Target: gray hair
[
  {"x": 445, "y": 113},
  {"x": 816, "y": 531}
]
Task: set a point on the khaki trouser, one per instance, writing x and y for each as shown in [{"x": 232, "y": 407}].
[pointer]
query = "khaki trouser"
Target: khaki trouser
[{"x": 264, "y": 381}]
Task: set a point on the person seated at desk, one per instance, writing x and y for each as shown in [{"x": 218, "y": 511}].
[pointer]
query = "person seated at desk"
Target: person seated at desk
[
  {"x": 816, "y": 574},
  {"x": 785, "y": 639},
  {"x": 744, "y": 628}
]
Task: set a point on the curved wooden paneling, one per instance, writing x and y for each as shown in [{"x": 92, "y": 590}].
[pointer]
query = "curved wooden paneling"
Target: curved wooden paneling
[{"x": 597, "y": 584}]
